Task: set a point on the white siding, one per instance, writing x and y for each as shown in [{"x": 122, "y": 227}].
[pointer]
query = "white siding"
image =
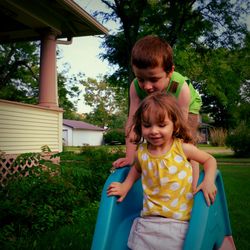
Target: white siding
[
  {"x": 93, "y": 138},
  {"x": 79, "y": 137},
  {"x": 25, "y": 128}
]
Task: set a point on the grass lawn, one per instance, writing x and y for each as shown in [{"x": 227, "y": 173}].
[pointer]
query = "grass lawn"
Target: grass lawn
[{"x": 236, "y": 176}]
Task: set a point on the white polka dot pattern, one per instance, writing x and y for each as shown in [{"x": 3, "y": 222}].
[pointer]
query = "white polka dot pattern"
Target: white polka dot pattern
[
  {"x": 144, "y": 157},
  {"x": 167, "y": 183},
  {"x": 172, "y": 169},
  {"x": 174, "y": 186},
  {"x": 178, "y": 158},
  {"x": 164, "y": 180},
  {"x": 182, "y": 175},
  {"x": 174, "y": 203}
]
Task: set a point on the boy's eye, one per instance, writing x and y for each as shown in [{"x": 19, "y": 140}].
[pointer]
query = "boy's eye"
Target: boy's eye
[
  {"x": 140, "y": 80},
  {"x": 154, "y": 79}
]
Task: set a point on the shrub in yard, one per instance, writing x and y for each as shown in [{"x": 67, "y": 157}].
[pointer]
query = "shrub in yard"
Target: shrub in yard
[
  {"x": 74, "y": 236},
  {"x": 44, "y": 211},
  {"x": 239, "y": 140},
  {"x": 218, "y": 136},
  {"x": 114, "y": 136},
  {"x": 35, "y": 204},
  {"x": 94, "y": 170}
]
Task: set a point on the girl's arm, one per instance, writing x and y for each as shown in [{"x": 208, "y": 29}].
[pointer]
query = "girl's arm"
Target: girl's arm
[
  {"x": 121, "y": 189},
  {"x": 209, "y": 164}
]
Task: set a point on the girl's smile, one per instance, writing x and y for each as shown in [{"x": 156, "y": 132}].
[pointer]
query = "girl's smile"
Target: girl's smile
[{"x": 158, "y": 133}]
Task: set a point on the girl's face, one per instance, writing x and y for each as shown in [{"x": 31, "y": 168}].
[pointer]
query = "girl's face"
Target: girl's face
[
  {"x": 157, "y": 132},
  {"x": 152, "y": 79}
]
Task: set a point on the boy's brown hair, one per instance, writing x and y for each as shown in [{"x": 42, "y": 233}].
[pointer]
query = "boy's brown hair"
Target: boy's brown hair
[
  {"x": 160, "y": 104},
  {"x": 152, "y": 51}
]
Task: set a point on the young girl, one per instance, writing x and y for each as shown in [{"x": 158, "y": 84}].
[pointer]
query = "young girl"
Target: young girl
[{"x": 163, "y": 163}]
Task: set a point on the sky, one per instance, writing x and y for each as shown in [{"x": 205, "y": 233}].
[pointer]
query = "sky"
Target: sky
[{"x": 82, "y": 54}]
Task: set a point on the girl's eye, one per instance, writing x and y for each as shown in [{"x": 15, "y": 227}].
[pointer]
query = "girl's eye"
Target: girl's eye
[
  {"x": 145, "y": 125},
  {"x": 162, "y": 125}
]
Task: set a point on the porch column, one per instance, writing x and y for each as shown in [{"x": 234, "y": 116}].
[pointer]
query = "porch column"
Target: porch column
[{"x": 48, "y": 94}]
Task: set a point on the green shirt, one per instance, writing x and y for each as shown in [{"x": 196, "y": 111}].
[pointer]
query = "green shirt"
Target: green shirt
[{"x": 174, "y": 87}]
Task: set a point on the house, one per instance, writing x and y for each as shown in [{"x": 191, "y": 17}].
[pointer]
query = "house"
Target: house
[
  {"x": 26, "y": 128},
  {"x": 78, "y": 133}
]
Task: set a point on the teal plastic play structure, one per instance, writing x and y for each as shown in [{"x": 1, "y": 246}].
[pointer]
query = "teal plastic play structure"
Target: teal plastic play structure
[{"x": 209, "y": 227}]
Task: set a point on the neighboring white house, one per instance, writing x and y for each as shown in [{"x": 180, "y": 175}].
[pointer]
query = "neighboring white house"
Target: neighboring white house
[{"x": 78, "y": 133}]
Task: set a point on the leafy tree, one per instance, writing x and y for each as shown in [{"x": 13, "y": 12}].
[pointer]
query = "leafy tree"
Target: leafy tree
[
  {"x": 206, "y": 36},
  {"x": 222, "y": 79},
  {"x": 19, "y": 72},
  {"x": 69, "y": 92},
  {"x": 119, "y": 46},
  {"x": 19, "y": 77},
  {"x": 211, "y": 23},
  {"x": 108, "y": 103}
]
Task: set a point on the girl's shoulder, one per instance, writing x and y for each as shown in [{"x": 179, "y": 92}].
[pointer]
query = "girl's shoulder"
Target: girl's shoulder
[{"x": 188, "y": 148}]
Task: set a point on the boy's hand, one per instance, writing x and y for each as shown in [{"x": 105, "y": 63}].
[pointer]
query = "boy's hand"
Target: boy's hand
[
  {"x": 121, "y": 162},
  {"x": 117, "y": 189},
  {"x": 209, "y": 191}
]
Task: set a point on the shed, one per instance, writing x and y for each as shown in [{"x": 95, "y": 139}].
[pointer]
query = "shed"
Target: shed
[{"x": 79, "y": 133}]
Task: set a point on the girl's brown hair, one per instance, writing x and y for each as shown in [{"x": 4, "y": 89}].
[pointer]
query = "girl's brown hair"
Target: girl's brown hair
[
  {"x": 152, "y": 51},
  {"x": 160, "y": 104}
]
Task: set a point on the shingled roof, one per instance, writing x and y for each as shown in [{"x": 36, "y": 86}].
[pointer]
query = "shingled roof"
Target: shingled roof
[{"x": 81, "y": 125}]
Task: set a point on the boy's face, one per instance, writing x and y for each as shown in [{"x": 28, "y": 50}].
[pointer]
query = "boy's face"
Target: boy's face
[{"x": 152, "y": 79}]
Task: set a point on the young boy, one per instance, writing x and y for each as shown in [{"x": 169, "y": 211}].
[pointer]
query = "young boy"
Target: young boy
[{"x": 153, "y": 66}]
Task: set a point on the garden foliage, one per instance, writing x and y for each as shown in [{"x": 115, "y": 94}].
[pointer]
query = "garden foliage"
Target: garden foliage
[
  {"x": 61, "y": 201},
  {"x": 115, "y": 135},
  {"x": 239, "y": 140}
]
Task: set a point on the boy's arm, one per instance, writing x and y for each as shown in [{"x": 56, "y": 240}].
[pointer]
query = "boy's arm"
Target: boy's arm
[
  {"x": 210, "y": 166},
  {"x": 184, "y": 100},
  {"x": 130, "y": 147},
  {"x": 121, "y": 189}
]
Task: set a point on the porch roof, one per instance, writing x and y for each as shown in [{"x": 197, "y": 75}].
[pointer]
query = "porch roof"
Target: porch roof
[{"x": 28, "y": 20}]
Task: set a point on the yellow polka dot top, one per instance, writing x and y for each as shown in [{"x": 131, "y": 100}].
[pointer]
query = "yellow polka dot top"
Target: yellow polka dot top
[{"x": 167, "y": 183}]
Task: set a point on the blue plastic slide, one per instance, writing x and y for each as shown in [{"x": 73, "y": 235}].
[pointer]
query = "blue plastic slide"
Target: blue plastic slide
[{"x": 209, "y": 227}]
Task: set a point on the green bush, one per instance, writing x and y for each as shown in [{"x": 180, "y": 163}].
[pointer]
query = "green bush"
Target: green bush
[
  {"x": 114, "y": 136},
  {"x": 239, "y": 140},
  {"x": 36, "y": 204},
  {"x": 55, "y": 209}
]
